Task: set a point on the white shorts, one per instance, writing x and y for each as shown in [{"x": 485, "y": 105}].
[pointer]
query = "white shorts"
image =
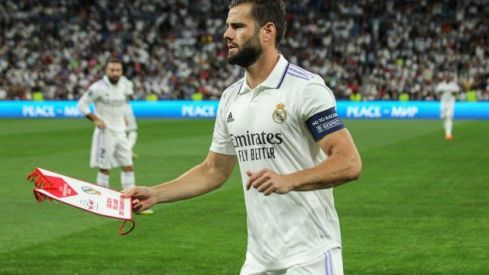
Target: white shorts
[
  {"x": 330, "y": 263},
  {"x": 110, "y": 149}
]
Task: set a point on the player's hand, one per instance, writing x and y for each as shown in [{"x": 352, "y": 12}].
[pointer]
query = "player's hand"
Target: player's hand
[
  {"x": 142, "y": 197},
  {"x": 268, "y": 182},
  {"x": 99, "y": 123}
]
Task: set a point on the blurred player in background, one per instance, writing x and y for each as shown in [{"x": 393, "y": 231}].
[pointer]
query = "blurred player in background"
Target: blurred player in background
[
  {"x": 110, "y": 146},
  {"x": 448, "y": 89},
  {"x": 112, "y": 117},
  {"x": 280, "y": 123}
]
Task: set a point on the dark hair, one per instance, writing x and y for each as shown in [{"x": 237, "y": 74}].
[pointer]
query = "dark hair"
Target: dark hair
[
  {"x": 265, "y": 11},
  {"x": 113, "y": 60}
]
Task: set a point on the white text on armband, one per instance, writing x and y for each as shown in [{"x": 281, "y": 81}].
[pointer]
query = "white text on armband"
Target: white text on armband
[{"x": 324, "y": 123}]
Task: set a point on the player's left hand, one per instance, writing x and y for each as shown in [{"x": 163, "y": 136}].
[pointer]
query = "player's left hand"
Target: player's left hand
[{"x": 268, "y": 182}]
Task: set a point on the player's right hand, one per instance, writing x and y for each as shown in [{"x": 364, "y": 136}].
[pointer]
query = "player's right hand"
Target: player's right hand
[
  {"x": 99, "y": 123},
  {"x": 142, "y": 197}
]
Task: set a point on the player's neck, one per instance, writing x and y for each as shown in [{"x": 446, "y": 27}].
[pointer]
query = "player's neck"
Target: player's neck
[{"x": 263, "y": 67}]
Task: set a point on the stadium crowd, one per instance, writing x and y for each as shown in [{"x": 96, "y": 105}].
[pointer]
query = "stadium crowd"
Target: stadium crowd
[{"x": 365, "y": 49}]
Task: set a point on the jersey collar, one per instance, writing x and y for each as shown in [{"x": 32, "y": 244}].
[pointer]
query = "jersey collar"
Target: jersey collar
[{"x": 273, "y": 81}]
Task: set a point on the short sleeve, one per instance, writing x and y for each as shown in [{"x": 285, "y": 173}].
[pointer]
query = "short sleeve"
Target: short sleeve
[
  {"x": 318, "y": 109},
  {"x": 221, "y": 140},
  {"x": 129, "y": 88}
]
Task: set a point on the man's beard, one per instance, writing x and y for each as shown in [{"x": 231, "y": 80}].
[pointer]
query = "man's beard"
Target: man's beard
[
  {"x": 114, "y": 79},
  {"x": 248, "y": 54}
]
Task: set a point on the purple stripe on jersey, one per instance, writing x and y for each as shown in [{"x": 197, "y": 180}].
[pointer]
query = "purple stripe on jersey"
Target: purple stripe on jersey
[
  {"x": 298, "y": 76},
  {"x": 326, "y": 269},
  {"x": 299, "y": 69},
  {"x": 283, "y": 76},
  {"x": 330, "y": 261},
  {"x": 240, "y": 86},
  {"x": 301, "y": 72},
  {"x": 236, "y": 83}
]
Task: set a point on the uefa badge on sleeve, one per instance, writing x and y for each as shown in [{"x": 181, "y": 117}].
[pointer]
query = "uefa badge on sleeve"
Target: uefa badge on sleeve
[{"x": 279, "y": 115}]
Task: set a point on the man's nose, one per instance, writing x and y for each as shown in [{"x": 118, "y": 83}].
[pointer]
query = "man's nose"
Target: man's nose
[{"x": 227, "y": 35}]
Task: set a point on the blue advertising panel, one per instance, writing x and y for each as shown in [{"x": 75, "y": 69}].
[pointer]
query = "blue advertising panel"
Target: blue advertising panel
[
  {"x": 409, "y": 110},
  {"x": 68, "y": 109},
  {"x": 175, "y": 109},
  {"x": 39, "y": 109},
  {"x": 208, "y": 109}
]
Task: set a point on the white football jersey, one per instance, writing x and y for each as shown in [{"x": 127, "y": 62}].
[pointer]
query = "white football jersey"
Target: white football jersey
[
  {"x": 277, "y": 126},
  {"x": 110, "y": 101},
  {"x": 447, "y": 89}
]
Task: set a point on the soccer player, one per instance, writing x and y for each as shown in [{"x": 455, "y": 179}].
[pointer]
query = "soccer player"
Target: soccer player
[
  {"x": 280, "y": 124},
  {"x": 110, "y": 145},
  {"x": 448, "y": 89}
]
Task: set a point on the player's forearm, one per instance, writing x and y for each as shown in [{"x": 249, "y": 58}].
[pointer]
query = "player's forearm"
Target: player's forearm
[
  {"x": 197, "y": 181},
  {"x": 91, "y": 117},
  {"x": 336, "y": 170}
]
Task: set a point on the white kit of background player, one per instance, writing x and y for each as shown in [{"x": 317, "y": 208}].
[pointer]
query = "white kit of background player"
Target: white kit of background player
[
  {"x": 448, "y": 89},
  {"x": 110, "y": 145}
]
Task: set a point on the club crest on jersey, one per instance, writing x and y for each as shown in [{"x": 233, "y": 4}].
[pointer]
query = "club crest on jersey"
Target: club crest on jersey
[{"x": 279, "y": 115}]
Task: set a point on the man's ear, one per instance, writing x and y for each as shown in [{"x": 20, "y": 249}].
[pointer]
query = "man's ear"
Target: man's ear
[{"x": 269, "y": 32}]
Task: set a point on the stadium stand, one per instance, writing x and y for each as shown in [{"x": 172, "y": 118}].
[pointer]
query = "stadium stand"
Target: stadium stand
[{"x": 365, "y": 49}]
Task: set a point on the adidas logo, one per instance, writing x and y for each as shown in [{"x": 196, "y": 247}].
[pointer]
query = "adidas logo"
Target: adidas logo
[{"x": 230, "y": 117}]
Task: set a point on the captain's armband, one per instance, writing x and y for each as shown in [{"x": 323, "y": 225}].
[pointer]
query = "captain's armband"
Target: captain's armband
[{"x": 324, "y": 123}]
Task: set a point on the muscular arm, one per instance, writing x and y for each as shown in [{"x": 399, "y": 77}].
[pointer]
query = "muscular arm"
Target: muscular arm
[
  {"x": 203, "y": 178},
  {"x": 342, "y": 165}
]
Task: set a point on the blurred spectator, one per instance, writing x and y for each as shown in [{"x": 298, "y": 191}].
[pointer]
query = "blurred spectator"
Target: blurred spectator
[{"x": 174, "y": 49}]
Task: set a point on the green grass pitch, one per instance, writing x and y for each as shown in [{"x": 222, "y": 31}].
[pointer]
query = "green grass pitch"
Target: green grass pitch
[{"x": 420, "y": 207}]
